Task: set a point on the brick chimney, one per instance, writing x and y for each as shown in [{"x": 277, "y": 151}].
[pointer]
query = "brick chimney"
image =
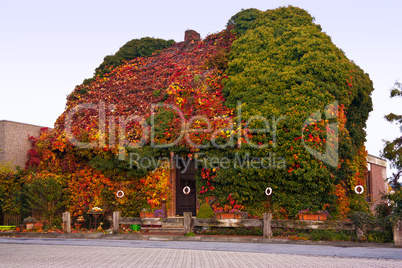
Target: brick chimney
[{"x": 191, "y": 35}]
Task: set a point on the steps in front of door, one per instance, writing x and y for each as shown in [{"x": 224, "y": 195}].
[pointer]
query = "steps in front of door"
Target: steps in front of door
[{"x": 177, "y": 230}]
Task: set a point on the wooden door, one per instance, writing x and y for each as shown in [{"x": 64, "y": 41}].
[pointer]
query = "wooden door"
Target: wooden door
[{"x": 185, "y": 177}]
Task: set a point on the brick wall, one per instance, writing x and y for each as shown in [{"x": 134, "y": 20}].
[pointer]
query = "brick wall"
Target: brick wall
[
  {"x": 14, "y": 143},
  {"x": 378, "y": 179},
  {"x": 171, "y": 212},
  {"x": 191, "y": 35}
]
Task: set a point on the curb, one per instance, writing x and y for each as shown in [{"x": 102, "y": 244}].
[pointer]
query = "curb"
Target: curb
[{"x": 200, "y": 238}]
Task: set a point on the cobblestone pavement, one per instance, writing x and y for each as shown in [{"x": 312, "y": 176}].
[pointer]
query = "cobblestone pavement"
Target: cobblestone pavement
[
  {"x": 353, "y": 250},
  {"x": 50, "y": 255}
]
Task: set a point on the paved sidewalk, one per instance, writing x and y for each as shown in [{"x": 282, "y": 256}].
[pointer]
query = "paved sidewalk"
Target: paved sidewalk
[
  {"x": 57, "y": 252},
  {"x": 298, "y": 249},
  {"x": 28, "y": 255}
]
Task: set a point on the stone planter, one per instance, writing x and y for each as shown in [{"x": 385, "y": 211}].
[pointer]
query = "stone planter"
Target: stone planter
[
  {"x": 30, "y": 226},
  {"x": 147, "y": 215},
  {"x": 313, "y": 217},
  {"x": 228, "y": 216}
]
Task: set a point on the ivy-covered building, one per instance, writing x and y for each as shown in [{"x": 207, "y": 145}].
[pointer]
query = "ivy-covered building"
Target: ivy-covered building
[{"x": 269, "y": 101}]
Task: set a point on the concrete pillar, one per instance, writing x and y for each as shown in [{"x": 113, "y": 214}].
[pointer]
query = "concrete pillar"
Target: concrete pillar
[
  {"x": 267, "y": 230},
  {"x": 66, "y": 222},
  {"x": 398, "y": 234},
  {"x": 359, "y": 234},
  {"x": 116, "y": 220},
  {"x": 187, "y": 221}
]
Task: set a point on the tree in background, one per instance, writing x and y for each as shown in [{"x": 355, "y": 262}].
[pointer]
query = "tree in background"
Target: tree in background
[
  {"x": 10, "y": 189},
  {"x": 390, "y": 213},
  {"x": 45, "y": 194},
  {"x": 393, "y": 149}
]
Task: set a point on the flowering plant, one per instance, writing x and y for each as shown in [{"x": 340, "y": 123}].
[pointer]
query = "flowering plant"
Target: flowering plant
[
  {"x": 96, "y": 209},
  {"x": 231, "y": 207},
  {"x": 147, "y": 208},
  {"x": 159, "y": 213},
  {"x": 232, "y": 211},
  {"x": 38, "y": 226}
]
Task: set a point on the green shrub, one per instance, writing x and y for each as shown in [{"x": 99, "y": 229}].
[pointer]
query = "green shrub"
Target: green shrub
[
  {"x": 378, "y": 237},
  {"x": 330, "y": 235},
  {"x": 383, "y": 210},
  {"x": 190, "y": 234},
  {"x": 389, "y": 213},
  {"x": 317, "y": 235},
  {"x": 358, "y": 204},
  {"x": 205, "y": 211},
  {"x": 363, "y": 220}
]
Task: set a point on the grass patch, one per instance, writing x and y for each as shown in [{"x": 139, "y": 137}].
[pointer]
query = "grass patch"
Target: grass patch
[
  {"x": 190, "y": 234},
  {"x": 377, "y": 237},
  {"x": 298, "y": 234},
  {"x": 332, "y": 235},
  {"x": 316, "y": 235}
]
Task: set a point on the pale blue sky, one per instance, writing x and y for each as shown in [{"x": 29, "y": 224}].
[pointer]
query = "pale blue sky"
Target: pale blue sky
[{"x": 49, "y": 47}]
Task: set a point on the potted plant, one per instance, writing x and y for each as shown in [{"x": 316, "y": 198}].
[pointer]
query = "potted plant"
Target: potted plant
[
  {"x": 310, "y": 215},
  {"x": 231, "y": 210},
  {"x": 147, "y": 212},
  {"x": 96, "y": 210},
  {"x": 228, "y": 214},
  {"x": 29, "y": 222},
  {"x": 151, "y": 213}
]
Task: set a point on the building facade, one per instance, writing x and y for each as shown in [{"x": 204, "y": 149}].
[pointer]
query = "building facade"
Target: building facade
[
  {"x": 14, "y": 142},
  {"x": 376, "y": 180},
  {"x": 376, "y": 186}
]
